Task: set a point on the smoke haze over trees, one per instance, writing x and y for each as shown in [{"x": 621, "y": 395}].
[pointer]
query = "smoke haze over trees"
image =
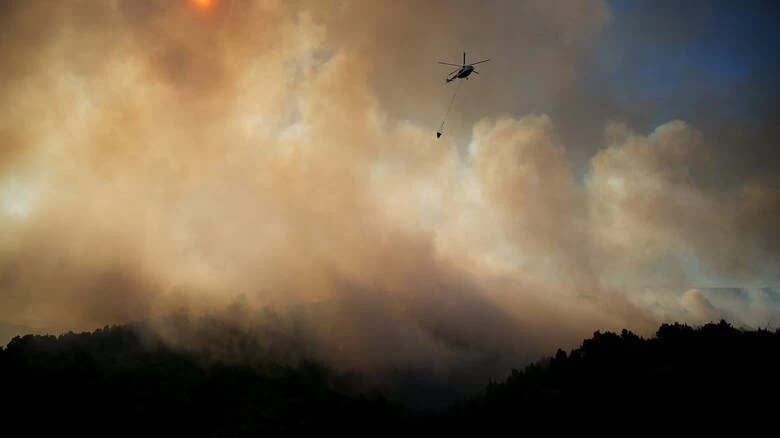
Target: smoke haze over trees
[
  {"x": 159, "y": 158},
  {"x": 125, "y": 380},
  {"x": 260, "y": 181}
]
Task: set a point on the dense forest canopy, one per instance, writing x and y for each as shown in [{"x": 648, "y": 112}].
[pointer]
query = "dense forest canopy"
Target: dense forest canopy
[{"x": 125, "y": 379}]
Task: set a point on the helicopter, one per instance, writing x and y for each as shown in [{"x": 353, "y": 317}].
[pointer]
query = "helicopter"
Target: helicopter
[{"x": 463, "y": 71}]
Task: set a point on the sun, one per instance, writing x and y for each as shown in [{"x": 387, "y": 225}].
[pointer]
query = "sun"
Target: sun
[{"x": 203, "y": 3}]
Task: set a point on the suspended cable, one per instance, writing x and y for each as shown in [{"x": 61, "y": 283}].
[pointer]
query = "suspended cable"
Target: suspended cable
[{"x": 441, "y": 128}]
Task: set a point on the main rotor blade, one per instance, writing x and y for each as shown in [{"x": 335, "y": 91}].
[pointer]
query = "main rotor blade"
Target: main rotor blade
[
  {"x": 464, "y": 58},
  {"x": 480, "y": 62},
  {"x": 447, "y": 63},
  {"x": 474, "y": 71}
]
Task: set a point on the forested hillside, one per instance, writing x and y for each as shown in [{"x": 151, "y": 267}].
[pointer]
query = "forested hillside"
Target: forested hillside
[{"x": 125, "y": 380}]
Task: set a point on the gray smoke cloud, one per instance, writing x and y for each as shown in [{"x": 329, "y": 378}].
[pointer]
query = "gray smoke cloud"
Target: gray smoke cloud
[{"x": 162, "y": 158}]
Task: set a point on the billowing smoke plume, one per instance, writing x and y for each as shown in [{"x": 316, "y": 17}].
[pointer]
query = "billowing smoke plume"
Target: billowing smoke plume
[{"x": 162, "y": 158}]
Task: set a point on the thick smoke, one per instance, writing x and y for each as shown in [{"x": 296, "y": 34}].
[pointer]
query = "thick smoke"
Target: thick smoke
[{"x": 160, "y": 158}]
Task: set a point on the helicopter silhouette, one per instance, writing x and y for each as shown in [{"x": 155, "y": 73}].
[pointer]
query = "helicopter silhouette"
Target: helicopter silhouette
[{"x": 463, "y": 71}]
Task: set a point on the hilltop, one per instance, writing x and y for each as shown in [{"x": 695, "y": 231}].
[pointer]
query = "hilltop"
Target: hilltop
[{"x": 125, "y": 379}]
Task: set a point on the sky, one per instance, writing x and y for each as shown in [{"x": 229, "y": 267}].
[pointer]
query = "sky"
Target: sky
[{"x": 613, "y": 166}]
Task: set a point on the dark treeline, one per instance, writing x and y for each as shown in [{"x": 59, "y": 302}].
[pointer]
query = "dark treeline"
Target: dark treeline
[
  {"x": 705, "y": 379},
  {"x": 125, "y": 381}
]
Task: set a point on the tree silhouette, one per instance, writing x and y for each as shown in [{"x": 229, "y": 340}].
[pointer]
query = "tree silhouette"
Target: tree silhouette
[{"x": 123, "y": 380}]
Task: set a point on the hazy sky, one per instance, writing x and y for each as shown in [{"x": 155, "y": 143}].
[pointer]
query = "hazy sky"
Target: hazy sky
[{"x": 612, "y": 166}]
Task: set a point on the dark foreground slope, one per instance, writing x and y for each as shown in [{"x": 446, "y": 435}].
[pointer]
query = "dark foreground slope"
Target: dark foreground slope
[
  {"x": 703, "y": 379},
  {"x": 124, "y": 381}
]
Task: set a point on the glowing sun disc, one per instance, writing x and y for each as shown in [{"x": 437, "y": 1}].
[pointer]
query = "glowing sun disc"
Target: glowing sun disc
[{"x": 203, "y": 3}]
